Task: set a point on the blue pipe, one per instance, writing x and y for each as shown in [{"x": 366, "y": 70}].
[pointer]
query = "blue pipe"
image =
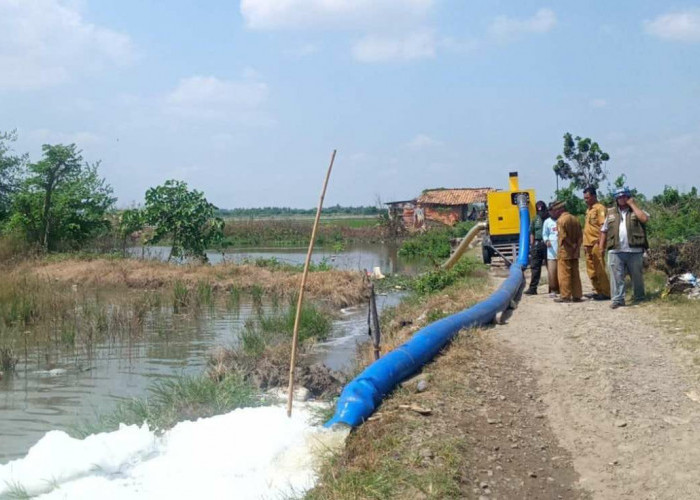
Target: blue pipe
[{"x": 361, "y": 396}]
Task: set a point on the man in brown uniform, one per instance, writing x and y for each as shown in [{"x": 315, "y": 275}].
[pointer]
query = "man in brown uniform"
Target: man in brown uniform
[
  {"x": 570, "y": 239},
  {"x": 595, "y": 261}
]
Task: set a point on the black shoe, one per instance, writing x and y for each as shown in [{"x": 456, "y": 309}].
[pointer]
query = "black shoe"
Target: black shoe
[
  {"x": 559, "y": 300},
  {"x": 600, "y": 296},
  {"x": 530, "y": 291},
  {"x": 577, "y": 300},
  {"x": 591, "y": 295},
  {"x": 615, "y": 305}
]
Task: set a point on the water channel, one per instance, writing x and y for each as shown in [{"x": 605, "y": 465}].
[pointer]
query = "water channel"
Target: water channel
[{"x": 57, "y": 388}]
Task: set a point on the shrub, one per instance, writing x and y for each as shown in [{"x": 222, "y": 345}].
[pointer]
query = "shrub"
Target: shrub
[
  {"x": 434, "y": 244},
  {"x": 440, "y": 279},
  {"x": 675, "y": 216}
]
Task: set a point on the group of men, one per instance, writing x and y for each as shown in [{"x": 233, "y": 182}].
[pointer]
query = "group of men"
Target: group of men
[{"x": 556, "y": 238}]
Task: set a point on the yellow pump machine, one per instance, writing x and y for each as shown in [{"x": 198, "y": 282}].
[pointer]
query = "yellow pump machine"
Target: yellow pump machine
[{"x": 503, "y": 229}]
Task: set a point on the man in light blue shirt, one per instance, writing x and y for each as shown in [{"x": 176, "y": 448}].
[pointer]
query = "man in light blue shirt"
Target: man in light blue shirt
[{"x": 550, "y": 238}]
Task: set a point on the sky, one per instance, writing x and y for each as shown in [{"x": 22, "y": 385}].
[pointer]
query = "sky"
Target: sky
[{"x": 245, "y": 100}]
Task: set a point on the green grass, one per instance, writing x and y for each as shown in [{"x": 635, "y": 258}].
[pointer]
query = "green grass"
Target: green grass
[
  {"x": 435, "y": 243},
  {"x": 174, "y": 400},
  {"x": 278, "y": 326},
  {"x": 439, "y": 279},
  {"x": 281, "y": 232},
  {"x": 17, "y": 492},
  {"x": 274, "y": 264}
]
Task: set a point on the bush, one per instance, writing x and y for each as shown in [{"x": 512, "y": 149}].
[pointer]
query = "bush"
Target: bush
[
  {"x": 675, "y": 216},
  {"x": 440, "y": 279},
  {"x": 434, "y": 244}
]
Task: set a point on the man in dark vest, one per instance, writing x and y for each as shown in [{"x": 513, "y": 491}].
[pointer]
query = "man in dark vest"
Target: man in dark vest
[
  {"x": 538, "y": 249},
  {"x": 624, "y": 234}
]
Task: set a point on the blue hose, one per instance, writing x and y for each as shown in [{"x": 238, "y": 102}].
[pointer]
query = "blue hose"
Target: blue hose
[{"x": 361, "y": 396}]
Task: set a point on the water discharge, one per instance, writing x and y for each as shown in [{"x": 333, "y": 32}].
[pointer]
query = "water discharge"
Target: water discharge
[{"x": 248, "y": 453}]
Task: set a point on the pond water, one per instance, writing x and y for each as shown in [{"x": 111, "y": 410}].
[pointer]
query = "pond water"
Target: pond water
[
  {"x": 355, "y": 256},
  {"x": 57, "y": 388}
]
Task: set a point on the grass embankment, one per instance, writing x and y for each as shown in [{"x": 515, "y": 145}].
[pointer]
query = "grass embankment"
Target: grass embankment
[
  {"x": 339, "y": 288},
  {"x": 386, "y": 457},
  {"x": 280, "y": 233}
]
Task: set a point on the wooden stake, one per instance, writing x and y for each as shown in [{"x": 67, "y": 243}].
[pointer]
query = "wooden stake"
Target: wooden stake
[{"x": 295, "y": 335}]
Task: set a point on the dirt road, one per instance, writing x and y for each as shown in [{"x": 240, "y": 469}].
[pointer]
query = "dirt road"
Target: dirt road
[{"x": 621, "y": 397}]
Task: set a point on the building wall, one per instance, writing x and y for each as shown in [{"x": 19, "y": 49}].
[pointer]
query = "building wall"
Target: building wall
[{"x": 447, "y": 215}]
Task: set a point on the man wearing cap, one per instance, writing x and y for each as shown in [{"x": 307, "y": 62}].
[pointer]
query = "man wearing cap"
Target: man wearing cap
[
  {"x": 595, "y": 263},
  {"x": 538, "y": 247},
  {"x": 570, "y": 238},
  {"x": 624, "y": 234}
]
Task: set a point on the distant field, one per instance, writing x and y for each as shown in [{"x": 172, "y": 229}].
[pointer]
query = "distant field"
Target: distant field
[{"x": 294, "y": 231}]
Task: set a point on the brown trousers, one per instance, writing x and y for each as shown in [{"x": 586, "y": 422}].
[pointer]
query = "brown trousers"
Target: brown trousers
[
  {"x": 552, "y": 275},
  {"x": 595, "y": 267},
  {"x": 569, "y": 279}
]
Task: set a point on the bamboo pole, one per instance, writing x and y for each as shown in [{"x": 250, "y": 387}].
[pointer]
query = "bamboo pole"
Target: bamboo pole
[{"x": 295, "y": 336}]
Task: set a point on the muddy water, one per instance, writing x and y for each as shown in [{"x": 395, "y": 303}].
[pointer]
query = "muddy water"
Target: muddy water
[
  {"x": 356, "y": 256},
  {"x": 57, "y": 389}
]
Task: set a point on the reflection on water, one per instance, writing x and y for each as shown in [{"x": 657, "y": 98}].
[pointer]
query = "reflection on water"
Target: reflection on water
[
  {"x": 57, "y": 389},
  {"x": 355, "y": 256}
]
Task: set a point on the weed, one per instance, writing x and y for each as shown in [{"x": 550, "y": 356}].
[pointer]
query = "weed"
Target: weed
[
  {"x": 181, "y": 296},
  {"x": 205, "y": 293},
  {"x": 434, "y": 244},
  {"x": 434, "y": 281},
  {"x": 175, "y": 400},
  {"x": 234, "y": 298},
  {"x": 8, "y": 361},
  {"x": 256, "y": 293},
  {"x": 16, "y": 491}
]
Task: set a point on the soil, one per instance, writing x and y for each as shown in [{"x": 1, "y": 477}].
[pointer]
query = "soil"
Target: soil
[
  {"x": 510, "y": 448},
  {"x": 621, "y": 395}
]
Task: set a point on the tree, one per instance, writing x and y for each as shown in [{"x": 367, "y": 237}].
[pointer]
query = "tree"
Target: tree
[
  {"x": 130, "y": 221},
  {"x": 574, "y": 204},
  {"x": 63, "y": 201},
  {"x": 10, "y": 168},
  {"x": 184, "y": 217},
  {"x": 582, "y": 162}
]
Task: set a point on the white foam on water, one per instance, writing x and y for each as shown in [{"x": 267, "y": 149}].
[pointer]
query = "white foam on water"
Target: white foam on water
[{"x": 250, "y": 453}]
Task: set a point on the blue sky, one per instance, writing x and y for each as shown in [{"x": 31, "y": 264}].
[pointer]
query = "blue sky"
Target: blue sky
[{"x": 245, "y": 100}]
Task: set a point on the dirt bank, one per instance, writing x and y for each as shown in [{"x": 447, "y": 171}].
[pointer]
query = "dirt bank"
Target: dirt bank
[
  {"x": 564, "y": 401},
  {"x": 340, "y": 288}
]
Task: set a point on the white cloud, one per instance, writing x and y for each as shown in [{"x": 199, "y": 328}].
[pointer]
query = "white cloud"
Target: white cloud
[
  {"x": 507, "y": 28},
  {"x": 423, "y": 141},
  {"x": 81, "y": 139},
  {"x": 676, "y": 26},
  {"x": 47, "y": 42},
  {"x": 272, "y": 14},
  {"x": 598, "y": 103},
  {"x": 373, "y": 49},
  {"x": 207, "y": 97}
]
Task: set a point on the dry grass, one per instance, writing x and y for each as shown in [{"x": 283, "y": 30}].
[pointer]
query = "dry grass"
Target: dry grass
[{"x": 339, "y": 288}]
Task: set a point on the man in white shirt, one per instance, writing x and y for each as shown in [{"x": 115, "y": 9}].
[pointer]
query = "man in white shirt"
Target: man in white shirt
[{"x": 550, "y": 236}]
